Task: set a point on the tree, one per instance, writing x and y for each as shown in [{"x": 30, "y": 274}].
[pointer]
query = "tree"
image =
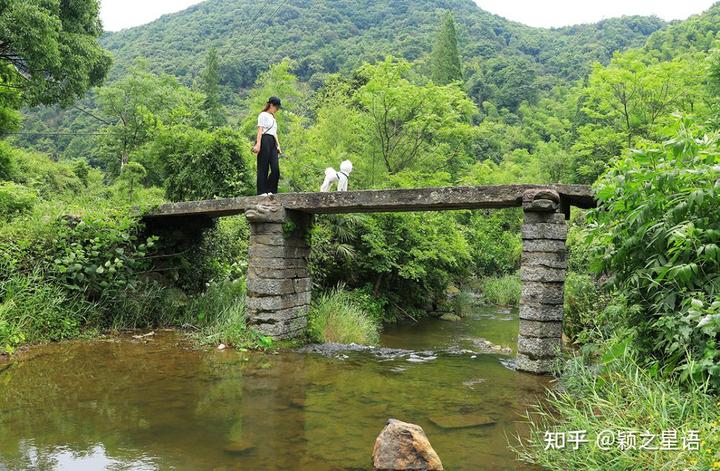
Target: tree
[
  {"x": 138, "y": 105},
  {"x": 408, "y": 121},
  {"x": 211, "y": 88},
  {"x": 445, "y": 58},
  {"x": 202, "y": 165},
  {"x": 53, "y": 44},
  {"x": 132, "y": 176},
  {"x": 634, "y": 92}
]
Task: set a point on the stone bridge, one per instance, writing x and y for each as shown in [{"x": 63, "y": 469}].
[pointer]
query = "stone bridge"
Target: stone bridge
[{"x": 278, "y": 281}]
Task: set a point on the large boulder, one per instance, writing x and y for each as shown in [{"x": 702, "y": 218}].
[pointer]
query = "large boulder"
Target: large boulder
[{"x": 404, "y": 447}]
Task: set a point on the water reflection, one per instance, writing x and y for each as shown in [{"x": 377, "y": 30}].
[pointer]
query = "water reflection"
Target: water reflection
[{"x": 161, "y": 405}]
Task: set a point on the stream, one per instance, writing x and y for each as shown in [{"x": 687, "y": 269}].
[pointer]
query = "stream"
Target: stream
[{"x": 157, "y": 403}]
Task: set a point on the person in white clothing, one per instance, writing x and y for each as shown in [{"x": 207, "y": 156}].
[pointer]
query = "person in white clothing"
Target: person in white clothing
[{"x": 267, "y": 148}]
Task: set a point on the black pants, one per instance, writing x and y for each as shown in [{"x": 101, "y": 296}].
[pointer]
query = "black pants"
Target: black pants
[{"x": 267, "y": 160}]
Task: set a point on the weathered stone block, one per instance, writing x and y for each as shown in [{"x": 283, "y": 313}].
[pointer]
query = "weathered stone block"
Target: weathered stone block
[
  {"x": 270, "y": 287},
  {"x": 543, "y": 245},
  {"x": 284, "y": 329},
  {"x": 260, "y": 228},
  {"x": 277, "y": 273},
  {"x": 541, "y": 293},
  {"x": 541, "y": 312},
  {"x": 275, "y": 251},
  {"x": 530, "y": 328},
  {"x": 540, "y": 347},
  {"x": 271, "y": 317},
  {"x": 541, "y": 205},
  {"x": 273, "y": 238},
  {"x": 542, "y": 274},
  {"x": 544, "y": 231},
  {"x": 538, "y": 366},
  {"x": 548, "y": 218},
  {"x": 544, "y": 259},
  {"x": 302, "y": 285},
  {"x": 274, "y": 303},
  {"x": 540, "y": 194},
  {"x": 266, "y": 211},
  {"x": 276, "y": 263}
]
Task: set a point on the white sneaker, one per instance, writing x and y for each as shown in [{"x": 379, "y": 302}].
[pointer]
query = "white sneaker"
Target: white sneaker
[{"x": 263, "y": 194}]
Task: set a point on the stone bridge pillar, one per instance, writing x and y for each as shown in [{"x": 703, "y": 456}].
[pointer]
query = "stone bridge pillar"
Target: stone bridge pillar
[
  {"x": 543, "y": 270},
  {"x": 278, "y": 281}
]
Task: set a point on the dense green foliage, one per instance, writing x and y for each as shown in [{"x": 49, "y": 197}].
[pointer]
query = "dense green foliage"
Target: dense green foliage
[
  {"x": 53, "y": 47},
  {"x": 505, "y": 62},
  {"x": 659, "y": 236}
]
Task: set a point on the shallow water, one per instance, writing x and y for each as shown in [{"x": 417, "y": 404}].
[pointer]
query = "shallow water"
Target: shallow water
[{"x": 158, "y": 404}]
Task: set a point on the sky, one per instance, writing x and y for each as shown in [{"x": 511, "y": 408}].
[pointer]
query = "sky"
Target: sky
[{"x": 119, "y": 14}]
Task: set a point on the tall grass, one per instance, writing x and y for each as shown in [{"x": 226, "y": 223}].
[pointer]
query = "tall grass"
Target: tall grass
[
  {"x": 503, "y": 291},
  {"x": 336, "y": 317},
  {"x": 33, "y": 311},
  {"x": 621, "y": 395},
  {"x": 218, "y": 316}
]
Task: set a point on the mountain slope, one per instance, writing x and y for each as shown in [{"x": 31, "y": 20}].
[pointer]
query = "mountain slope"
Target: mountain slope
[{"x": 337, "y": 35}]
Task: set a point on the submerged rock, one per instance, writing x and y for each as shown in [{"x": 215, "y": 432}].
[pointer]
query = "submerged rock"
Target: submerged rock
[
  {"x": 403, "y": 447},
  {"x": 462, "y": 421},
  {"x": 485, "y": 346},
  {"x": 239, "y": 447},
  {"x": 450, "y": 317}
]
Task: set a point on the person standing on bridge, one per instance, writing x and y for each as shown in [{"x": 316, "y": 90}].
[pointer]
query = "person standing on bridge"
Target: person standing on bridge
[{"x": 267, "y": 148}]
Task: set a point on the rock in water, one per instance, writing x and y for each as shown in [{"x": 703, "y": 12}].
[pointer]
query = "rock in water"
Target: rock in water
[
  {"x": 450, "y": 317},
  {"x": 404, "y": 447}
]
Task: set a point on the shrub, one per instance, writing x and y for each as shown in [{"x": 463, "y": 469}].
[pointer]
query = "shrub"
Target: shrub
[
  {"x": 336, "y": 317},
  {"x": 15, "y": 199},
  {"x": 659, "y": 233},
  {"x": 7, "y": 164},
  {"x": 199, "y": 165},
  {"x": 503, "y": 291}
]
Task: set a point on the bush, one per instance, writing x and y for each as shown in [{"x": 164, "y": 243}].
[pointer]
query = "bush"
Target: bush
[
  {"x": 336, "y": 316},
  {"x": 503, "y": 291},
  {"x": 37, "y": 171},
  {"x": 622, "y": 394},
  {"x": 659, "y": 233},
  {"x": 198, "y": 165},
  {"x": 584, "y": 303},
  {"x": 15, "y": 199}
]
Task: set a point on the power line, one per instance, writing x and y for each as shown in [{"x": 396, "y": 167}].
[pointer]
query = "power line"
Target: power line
[
  {"x": 31, "y": 133},
  {"x": 94, "y": 116}
]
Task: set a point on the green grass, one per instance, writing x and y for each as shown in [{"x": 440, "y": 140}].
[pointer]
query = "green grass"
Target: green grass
[
  {"x": 336, "y": 317},
  {"x": 34, "y": 312},
  {"x": 218, "y": 316},
  {"x": 463, "y": 303},
  {"x": 501, "y": 291},
  {"x": 618, "y": 394}
]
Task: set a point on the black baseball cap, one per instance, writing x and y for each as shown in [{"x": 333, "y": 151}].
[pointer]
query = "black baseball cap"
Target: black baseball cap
[{"x": 273, "y": 100}]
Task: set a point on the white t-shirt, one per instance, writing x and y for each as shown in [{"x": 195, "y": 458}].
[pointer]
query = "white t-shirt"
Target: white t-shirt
[{"x": 267, "y": 122}]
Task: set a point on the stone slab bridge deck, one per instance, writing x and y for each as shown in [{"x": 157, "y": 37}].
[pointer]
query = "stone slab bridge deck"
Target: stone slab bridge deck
[{"x": 279, "y": 284}]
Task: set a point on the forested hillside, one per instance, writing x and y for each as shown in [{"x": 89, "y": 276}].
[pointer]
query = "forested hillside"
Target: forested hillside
[
  {"x": 326, "y": 36},
  {"x": 505, "y": 63}
]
